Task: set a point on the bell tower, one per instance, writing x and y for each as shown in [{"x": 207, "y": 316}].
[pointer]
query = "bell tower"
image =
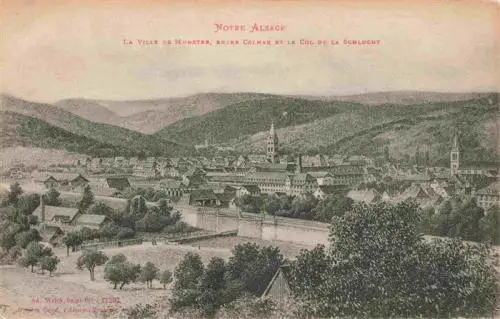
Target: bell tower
[
  {"x": 455, "y": 155},
  {"x": 272, "y": 145}
]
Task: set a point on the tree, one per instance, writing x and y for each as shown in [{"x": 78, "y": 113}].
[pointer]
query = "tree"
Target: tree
[
  {"x": 308, "y": 270},
  {"x": 15, "y": 192},
  {"x": 332, "y": 206},
  {"x": 87, "y": 199},
  {"x": 49, "y": 263},
  {"x": 187, "y": 276},
  {"x": 73, "y": 240},
  {"x": 52, "y": 197},
  {"x": 119, "y": 271},
  {"x": 379, "y": 265},
  {"x": 166, "y": 278},
  {"x": 490, "y": 226},
  {"x": 211, "y": 289},
  {"x": 32, "y": 255},
  {"x": 149, "y": 273},
  {"x": 25, "y": 237},
  {"x": 15, "y": 252},
  {"x": 90, "y": 259},
  {"x": 251, "y": 267},
  {"x": 8, "y": 236}
]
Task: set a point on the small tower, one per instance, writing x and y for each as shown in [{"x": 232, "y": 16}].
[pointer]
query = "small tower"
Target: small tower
[
  {"x": 298, "y": 165},
  {"x": 455, "y": 155},
  {"x": 272, "y": 145}
]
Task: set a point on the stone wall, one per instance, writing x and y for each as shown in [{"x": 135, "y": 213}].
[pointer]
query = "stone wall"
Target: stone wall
[{"x": 255, "y": 226}]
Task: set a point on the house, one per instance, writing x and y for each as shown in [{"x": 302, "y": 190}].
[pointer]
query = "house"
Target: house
[
  {"x": 169, "y": 171},
  {"x": 202, "y": 197},
  {"x": 120, "y": 162},
  {"x": 91, "y": 221},
  {"x": 351, "y": 175},
  {"x": 66, "y": 181},
  {"x": 325, "y": 191},
  {"x": 173, "y": 188},
  {"x": 148, "y": 169},
  {"x": 193, "y": 177},
  {"x": 323, "y": 177},
  {"x": 118, "y": 183},
  {"x": 489, "y": 195},
  {"x": 279, "y": 286},
  {"x": 56, "y": 216},
  {"x": 250, "y": 190}
]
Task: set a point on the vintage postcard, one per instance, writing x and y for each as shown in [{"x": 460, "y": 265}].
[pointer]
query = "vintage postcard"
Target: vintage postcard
[{"x": 250, "y": 159}]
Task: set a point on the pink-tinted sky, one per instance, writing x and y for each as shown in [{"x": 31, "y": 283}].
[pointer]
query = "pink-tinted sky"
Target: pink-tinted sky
[{"x": 54, "y": 51}]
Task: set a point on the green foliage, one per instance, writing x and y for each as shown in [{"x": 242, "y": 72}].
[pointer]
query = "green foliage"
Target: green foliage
[
  {"x": 49, "y": 263},
  {"x": 157, "y": 218},
  {"x": 15, "y": 191},
  {"x": 25, "y": 237},
  {"x": 308, "y": 270},
  {"x": 196, "y": 129},
  {"x": 206, "y": 290},
  {"x": 461, "y": 218},
  {"x": 90, "y": 259},
  {"x": 73, "y": 240},
  {"x": 100, "y": 208},
  {"x": 15, "y": 252},
  {"x": 378, "y": 265},
  {"x": 251, "y": 204},
  {"x": 119, "y": 271},
  {"x": 251, "y": 267},
  {"x": 251, "y": 307},
  {"x": 309, "y": 207},
  {"x": 52, "y": 197},
  {"x": 31, "y": 257},
  {"x": 490, "y": 226},
  {"x": 87, "y": 199},
  {"x": 212, "y": 288},
  {"x": 149, "y": 273},
  {"x": 166, "y": 278},
  {"x": 332, "y": 206},
  {"x": 187, "y": 276}
]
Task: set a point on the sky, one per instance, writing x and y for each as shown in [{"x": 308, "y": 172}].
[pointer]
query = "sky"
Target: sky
[{"x": 52, "y": 50}]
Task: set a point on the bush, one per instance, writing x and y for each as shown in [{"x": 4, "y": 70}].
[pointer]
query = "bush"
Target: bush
[
  {"x": 141, "y": 311},
  {"x": 379, "y": 266}
]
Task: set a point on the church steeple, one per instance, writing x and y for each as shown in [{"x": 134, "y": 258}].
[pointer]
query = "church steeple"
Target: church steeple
[
  {"x": 455, "y": 154},
  {"x": 272, "y": 145}
]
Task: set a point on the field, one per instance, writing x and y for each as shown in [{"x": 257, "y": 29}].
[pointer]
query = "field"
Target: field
[{"x": 79, "y": 297}]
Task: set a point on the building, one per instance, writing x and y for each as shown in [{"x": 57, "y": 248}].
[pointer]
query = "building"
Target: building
[
  {"x": 325, "y": 191},
  {"x": 250, "y": 190},
  {"x": 174, "y": 188},
  {"x": 323, "y": 178},
  {"x": 351, "y": 175},
  {"x": 455, "y": 155},
  {"x": 489, "y": 195},
  {"x": 117, "y": 183},
  {"x": 272, "y": 145},
  {"x": 66, "y": 181},
  {"x": 202, "y": 197},
  {"x": 91, "y": 221},
  {"x": 279, "y": 286}
]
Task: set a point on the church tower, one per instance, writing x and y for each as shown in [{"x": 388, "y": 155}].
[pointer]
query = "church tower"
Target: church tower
[
  {"x": 272, "y": 146},
  {"x": 455, "y": 155}
]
